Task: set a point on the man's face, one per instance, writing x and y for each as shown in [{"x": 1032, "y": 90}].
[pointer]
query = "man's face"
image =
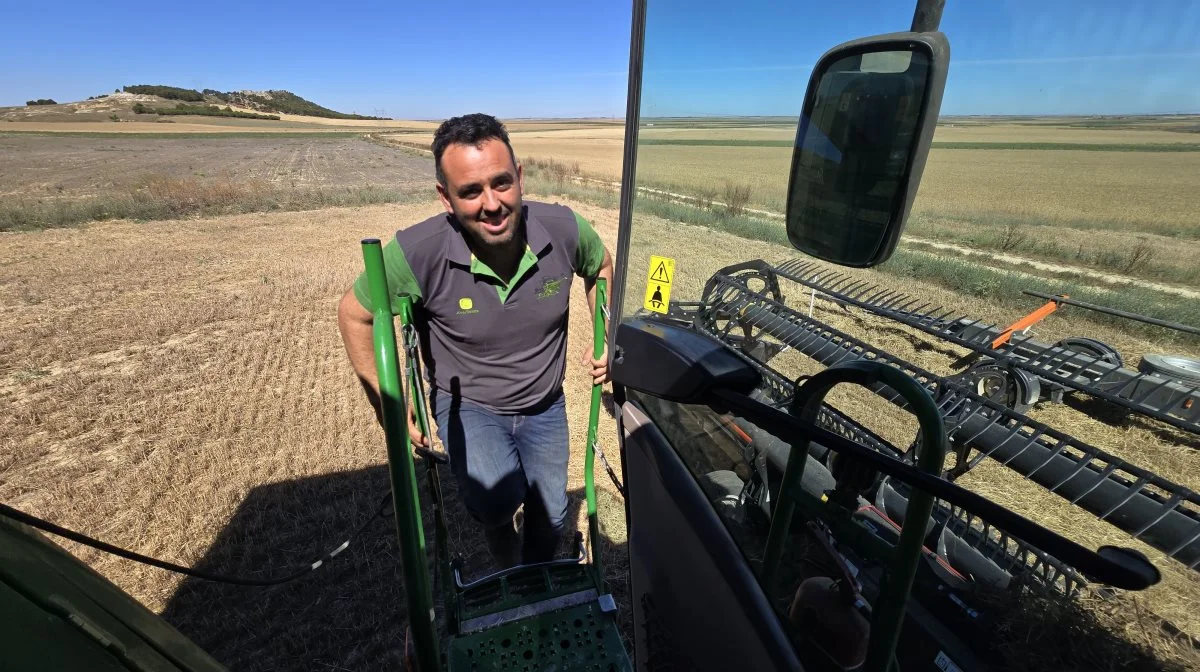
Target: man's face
[{"x": 483, "y": 191}]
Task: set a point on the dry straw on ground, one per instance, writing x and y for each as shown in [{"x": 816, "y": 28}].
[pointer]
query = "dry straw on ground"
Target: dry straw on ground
[{"x": 180, "y": 389}]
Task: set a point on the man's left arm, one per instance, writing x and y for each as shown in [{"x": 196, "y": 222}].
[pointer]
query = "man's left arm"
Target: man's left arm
[{"x": 593, "y": 261}]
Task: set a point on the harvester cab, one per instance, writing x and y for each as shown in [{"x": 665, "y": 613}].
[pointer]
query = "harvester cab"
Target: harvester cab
[{"x": 768, "y": 530}]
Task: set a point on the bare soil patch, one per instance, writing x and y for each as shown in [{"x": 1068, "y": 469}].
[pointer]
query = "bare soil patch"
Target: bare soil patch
[{"x": 41, "y": 167}]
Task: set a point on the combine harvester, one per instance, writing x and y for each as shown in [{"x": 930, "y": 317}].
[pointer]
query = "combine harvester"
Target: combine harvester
[
  {"x": 1019, "y": 371},
  {"x": 981, "y": 419},
  {"x": 813, "y": 544}
]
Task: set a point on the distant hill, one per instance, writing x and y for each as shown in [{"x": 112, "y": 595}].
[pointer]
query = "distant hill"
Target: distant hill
[{"x": 283, "y": 102}]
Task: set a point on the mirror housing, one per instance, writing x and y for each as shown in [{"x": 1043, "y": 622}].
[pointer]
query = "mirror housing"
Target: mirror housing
[{"x": 864, "y": 133}]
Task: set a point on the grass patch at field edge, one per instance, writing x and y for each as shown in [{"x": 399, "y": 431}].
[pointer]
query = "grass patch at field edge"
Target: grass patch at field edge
[
  {"x": 186, "y": 135},
  {"x": 1001, "y": 220},
  {"x": 1028, "y": 146},
  {"x": 1147, "y": 257},
  {"x": 968, "y": 278},
  {"x": 973, "y": 279},
  {"x": 161, "y": 198}
]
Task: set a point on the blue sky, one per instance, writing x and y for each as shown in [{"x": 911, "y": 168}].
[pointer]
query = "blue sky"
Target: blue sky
[{"x": 528, "y": 59}]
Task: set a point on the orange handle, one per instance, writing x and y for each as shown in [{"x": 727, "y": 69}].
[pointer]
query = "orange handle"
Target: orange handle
[{"x": 1026, "y": 322}]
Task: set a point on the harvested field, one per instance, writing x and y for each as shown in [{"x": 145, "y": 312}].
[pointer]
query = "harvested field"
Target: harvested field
[
  {"x": 1151, "y": 192},
  {"x": 180, "y": 389},
  {"x": 947, "y": 131},
  {"x": 1019, "y": 188},
  {"x": 34, "y": 167},
  {"x": 986, "y": 177}
]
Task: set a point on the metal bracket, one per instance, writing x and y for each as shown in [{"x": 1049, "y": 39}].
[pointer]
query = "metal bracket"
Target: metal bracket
[{"x": 516, "y": 568}]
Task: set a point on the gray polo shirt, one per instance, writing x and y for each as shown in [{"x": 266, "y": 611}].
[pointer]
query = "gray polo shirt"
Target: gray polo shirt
[{"x": 499, "y": 345}]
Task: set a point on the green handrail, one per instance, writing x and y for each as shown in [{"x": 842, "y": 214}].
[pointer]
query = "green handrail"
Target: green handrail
[
  {"x": 412, "y": 374},
  {"x": 410, "y": 366},
  {"x": 403, "y": 477},
  {"x": 598, "y": 339},
  {"x": 888, "y": 612}
]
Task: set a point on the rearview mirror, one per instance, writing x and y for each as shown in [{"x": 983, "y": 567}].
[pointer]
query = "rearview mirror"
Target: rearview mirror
[{"x": 864, "y": 132}]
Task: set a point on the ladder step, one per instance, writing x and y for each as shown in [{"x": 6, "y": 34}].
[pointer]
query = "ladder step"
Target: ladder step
[{"x": 487, "y": 621}]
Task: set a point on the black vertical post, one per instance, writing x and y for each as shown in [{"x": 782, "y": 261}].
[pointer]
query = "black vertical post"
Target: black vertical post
[
  {"x": 633, "y": 107},
  {"x": 928, "y": 15}
]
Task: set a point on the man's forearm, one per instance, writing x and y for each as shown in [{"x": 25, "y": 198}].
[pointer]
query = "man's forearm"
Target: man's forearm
[
  {"x": 360, "y": 346},
  {"x": 358, "y": 336}
]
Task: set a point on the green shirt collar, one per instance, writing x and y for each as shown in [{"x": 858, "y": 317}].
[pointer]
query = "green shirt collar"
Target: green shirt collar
[
  {"x": 502, "y": 288},
  {"x": 536, "y": 238}
]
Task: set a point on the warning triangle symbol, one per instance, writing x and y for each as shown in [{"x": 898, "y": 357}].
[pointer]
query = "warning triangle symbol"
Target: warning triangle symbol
[{"x": 660, "y": 273}]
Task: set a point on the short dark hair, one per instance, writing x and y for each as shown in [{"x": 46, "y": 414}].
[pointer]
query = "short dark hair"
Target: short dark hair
[{"x": 469, "y": 129}]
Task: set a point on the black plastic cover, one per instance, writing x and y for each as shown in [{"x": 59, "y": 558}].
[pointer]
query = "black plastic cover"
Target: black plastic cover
[{"x": 675, "y": 363}]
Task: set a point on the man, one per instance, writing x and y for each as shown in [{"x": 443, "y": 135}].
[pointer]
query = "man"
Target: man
[{"x": 491, "y": 281}]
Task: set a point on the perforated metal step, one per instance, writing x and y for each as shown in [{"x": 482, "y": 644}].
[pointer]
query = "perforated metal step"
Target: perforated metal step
[{"x": 579, "y": 638}]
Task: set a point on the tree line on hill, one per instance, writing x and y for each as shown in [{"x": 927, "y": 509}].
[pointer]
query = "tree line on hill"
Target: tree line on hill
[
  {"x": 202, "y": 110},
  {"x": 41, "y": 101},
  {"x": 168, "y": 92},
  {"x": 284, "y": 102}
]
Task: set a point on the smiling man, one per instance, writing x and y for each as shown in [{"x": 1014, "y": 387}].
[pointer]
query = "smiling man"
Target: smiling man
[{"x": 491, "y": 281}]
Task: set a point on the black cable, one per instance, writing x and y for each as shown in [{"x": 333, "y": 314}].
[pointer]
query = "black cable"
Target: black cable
[
  {"x": 611, "y": 474},
  {"x": 47, "y": 526}
]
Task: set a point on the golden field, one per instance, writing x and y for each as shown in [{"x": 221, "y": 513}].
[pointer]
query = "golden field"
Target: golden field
[
  {"x": 1142, "y": 188},
  {"x": 967, "y": 194}
]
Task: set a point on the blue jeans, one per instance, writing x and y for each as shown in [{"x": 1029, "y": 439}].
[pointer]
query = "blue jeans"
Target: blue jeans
[{"x": 504, "y": 461}]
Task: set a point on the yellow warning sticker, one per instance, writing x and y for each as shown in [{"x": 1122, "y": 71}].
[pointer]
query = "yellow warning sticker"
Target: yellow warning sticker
[{"x": 658, "y": 283}]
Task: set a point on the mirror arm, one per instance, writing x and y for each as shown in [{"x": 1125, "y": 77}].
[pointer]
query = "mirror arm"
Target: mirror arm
[{"x": 928, "y": 15}]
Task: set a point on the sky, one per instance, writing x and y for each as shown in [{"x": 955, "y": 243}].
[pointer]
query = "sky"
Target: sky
[{"x": 537, "y": 58}]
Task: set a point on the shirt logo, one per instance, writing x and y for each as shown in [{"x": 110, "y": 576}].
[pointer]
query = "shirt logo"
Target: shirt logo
[
  {"x": 466, "y": 306},
  {"x": 550, "y": 287}
]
